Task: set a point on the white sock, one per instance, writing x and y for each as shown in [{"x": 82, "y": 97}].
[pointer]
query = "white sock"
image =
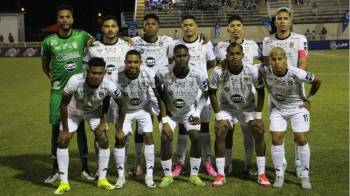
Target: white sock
[
  {"x": 138, "y": 152},
  {"x": 228, "y": 157},
  {"x": 277, "y": 158},
  {"x": 204, "y": 139},
  {"x": 149, "y": 157},
  {"x": 248, "y": 145},
  {"x": 181, "y": 148},
  {"x": 63, "y": 163},
  {"x": 284, "y": 154},
  {"x": 195, "y": 164},
  {"x": 220, "y": 165},
  {"x": 103, "y": 159},
  {"x": 119, "y": 157},
  {"x": 304, "y": 155},
  {"x": 297, "y": 158},
  {"x": 167, "y": 167},
  {"x": 260, "y": 161}
]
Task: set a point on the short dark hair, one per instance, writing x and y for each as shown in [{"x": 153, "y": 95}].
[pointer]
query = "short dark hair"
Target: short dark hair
[
  {"x": 64, "y": 7},
  {"x": 96, "y": 62},
  {"x": 235, "y": 18},
  {"x": 109, "y": 17},
  {"x": 133, "y": 52},
  {"x": 188, "y": 16},
  {"x": 180, "y": 46},
  {"x": 151, "y": 15},
  {"x": 234, "y": 45}
]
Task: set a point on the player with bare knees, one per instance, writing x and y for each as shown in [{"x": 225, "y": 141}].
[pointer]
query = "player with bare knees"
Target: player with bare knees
[
  {"x": 237, "y": 104},
  {"x": 285, "y": 86},
  {"x": 86, "y": 97},
  {"x": 136, "y": 82},
  {"x": 179, "y": 85}
]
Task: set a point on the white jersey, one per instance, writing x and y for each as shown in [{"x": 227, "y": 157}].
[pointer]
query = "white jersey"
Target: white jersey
[
  {"x": 180, "y": 95},
  {"x": 112, "y": 54},
  {"x": 295, "y": 46},
  {"x": 200, "y": 53},
  {"x": 137, "y": 89},
  {"x": 154, "y": 55},
  {"x": 250, "y": 49},
  {"x": 236, "y": 90},
  {"x": 87, "y": 99},
  {"x": 287, "y": 91}
]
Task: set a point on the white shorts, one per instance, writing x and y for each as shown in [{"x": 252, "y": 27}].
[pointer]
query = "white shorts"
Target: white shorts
[
  {"x": 183, "y": 119},
  {"x": 143, "y": 120},
  {"x": 153, "y": 103},
  {"x": 74, "y": 119},
  {"x": 299, "y": 118},
  {"x": 233, "y": 117}
]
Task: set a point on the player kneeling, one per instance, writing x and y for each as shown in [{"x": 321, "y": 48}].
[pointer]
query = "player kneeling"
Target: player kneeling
[
  {"x": 285, "y": 86},
  {"x": 88, "y": 93},
  {"x": 179, "y": 85},
  {"x": 237, "y": 102},
  {"x": 135, "y": 83}
]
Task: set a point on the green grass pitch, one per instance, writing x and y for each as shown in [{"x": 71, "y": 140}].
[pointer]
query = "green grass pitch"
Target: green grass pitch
[{"x": 25, "y": 143}]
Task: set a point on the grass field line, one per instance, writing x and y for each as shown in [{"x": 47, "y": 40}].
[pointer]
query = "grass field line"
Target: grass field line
[{"x": 329, "y": 55}]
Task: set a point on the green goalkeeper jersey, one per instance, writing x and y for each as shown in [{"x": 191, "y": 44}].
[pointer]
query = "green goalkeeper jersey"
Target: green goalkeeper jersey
[{"x": 66, "y": 56}]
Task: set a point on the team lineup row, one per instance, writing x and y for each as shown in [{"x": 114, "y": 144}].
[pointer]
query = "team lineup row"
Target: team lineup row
[{"x": 156, "y": 74}]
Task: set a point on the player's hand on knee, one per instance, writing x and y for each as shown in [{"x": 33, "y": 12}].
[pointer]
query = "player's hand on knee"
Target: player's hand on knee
[
  {"x": 194, "y": 120},
  {"x": 166, "y": 130},
  {"x": 306, "y": 104}
]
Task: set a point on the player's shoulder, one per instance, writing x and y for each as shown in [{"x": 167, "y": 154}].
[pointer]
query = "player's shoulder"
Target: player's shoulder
[
  {"x": 165, "y": 38},
  {"x": 136, "y": 39},
  {"x": 121, "y": 42},
  {"x": 295, "y": 70},
  {"x": 269, "y": 38},
  {"x": 217, "y": 70},
  {"x": 108, "y": 82},
  {"x": 51, "y": 37},
  {"x": 194, "y": 70},
  {"x": 222, "y": 44},
  {"x": 77, "y": 78},
  {"x": 249, "y": 42},
  {"x": 297, "y": 36}
]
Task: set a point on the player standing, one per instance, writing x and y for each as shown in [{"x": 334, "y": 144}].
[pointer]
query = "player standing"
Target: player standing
[
  {"x": 251, "y": 51},
  {"x": 84, "y": 98},
  {"x": 179, "y": 85},
  {"x": 237, "y": 103},
  {"x": 154, "y": 50},
  {"x": 296, "y": 48},
  {"x": 135, "y": 83},
  {"x": 202, "y": 56},
  {"x": 62, "y": 55},
  {"x": 285, "y": 86}
]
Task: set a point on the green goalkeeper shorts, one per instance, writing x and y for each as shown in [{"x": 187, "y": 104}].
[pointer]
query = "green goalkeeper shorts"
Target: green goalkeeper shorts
[{"x": 55, "y": 102}]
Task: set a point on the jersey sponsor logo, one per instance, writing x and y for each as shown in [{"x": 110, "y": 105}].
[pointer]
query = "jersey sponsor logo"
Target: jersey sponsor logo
[
  {"x": 135, "y": 101},
  {"x": 309, "y": 76},
  {"x": 110, "y": 69},
  {"x": 179, "y": 103},
  {"x": 150, "y": 61},
  {"x": 236, "y": 98},
  {"x": 70, "y": 66}
]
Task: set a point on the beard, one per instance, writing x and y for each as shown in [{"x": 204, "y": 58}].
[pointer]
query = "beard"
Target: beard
[{"x": 63, "y": 28}]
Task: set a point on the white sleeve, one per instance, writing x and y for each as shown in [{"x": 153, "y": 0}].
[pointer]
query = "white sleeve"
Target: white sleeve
[
  {"x": 87, "y": 56},
  {"x": 265, "y": 49},
  {"x": 210, "y": 51},
  {"x": 304, "y": 76},
  {"x": 219, "y": 53},
  {"x": 214, "y": 78},
  {"x": 256, "y": 75},
  {"x": 257, "y": 51},
  {"x": 303, "y": 45},
  {"x": 71, "y": 86},
  {"x": 171, "y": 48},
  {"x": 113, "y": 90}
]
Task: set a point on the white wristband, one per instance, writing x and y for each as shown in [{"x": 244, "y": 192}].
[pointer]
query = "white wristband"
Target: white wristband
[
  {"x": 258, "y": 115},
  {"x": 164, "y": 120},
  {"x": 218, "y": 116}
]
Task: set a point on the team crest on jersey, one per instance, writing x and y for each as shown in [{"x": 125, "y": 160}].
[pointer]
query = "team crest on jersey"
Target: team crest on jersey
[
  {"x": 110, "y": 69},
  {"x": 141, "y": 51},
  {"x": 74, "y": 45},
  {"x": 291, "y": 45},
  {"x": 226, "y": 89},
  {"x": 179, "y": 103},
  {"x": 59, "y": 57},
  {"x": 135, "y": 101},
  {"x": 150, "y": 61}
]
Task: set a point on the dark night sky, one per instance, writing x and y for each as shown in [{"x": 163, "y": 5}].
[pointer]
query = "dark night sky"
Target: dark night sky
[{"x": 40, "y": 13}]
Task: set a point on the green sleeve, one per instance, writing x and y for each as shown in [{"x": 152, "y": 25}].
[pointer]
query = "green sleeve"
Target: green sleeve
[{"x": 45, "y": 52}]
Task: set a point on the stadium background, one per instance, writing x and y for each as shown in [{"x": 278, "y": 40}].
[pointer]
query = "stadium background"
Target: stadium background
[{"x": 24, "y": 128}]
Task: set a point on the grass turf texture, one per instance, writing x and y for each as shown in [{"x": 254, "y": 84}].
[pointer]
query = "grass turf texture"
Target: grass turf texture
[{"x": 25, "y": 140}]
